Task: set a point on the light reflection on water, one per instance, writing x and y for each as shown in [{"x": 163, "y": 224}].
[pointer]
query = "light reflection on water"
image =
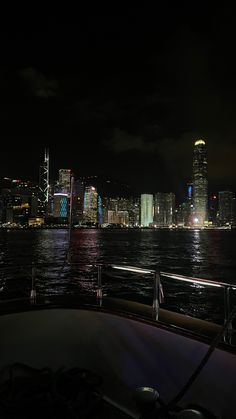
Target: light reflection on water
[{"x": 206, "y": 254}]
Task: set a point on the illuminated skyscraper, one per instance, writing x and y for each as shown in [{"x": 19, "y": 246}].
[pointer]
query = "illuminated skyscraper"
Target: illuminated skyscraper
[
  {"x": 43, "y": 194},
  {"x": 64, "y": 180},
  {"x": 226, "y": 207},
  {"x": 60, "y": 207},
  {"x": 200, "y": 183},
  {"x": 146, "y": 210},
  {"x": 44, "y": 178},
  {"x": 78, "y": 201},
  {"x": 90, "y": 205},
  {"x": 164, "y": 209}
]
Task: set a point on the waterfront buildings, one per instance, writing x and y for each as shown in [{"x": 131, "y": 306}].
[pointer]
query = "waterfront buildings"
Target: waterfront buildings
[
  {"x": 43, "y": 186},
  {"x": 43, "y": 193},
  {"x": 226, "y": 208},
  {"x": 164, "y": 209},
  {"x": 200, "y": 184},
  {"x": 118, "y": 217},
  {"x": 78, "y": 201},
  {"x": 60, "y": 207},
  {"x": 146, "y": 210},
  {"x": 18, "y": 201},
  {"x": 90, "y": 212},
  {"x": 64, "y": 180},
  {"x": 213, "y": 210},
  {"x": 21, "y": 202}
]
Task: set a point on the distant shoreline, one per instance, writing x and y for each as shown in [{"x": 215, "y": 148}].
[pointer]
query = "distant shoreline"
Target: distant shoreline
[{"x": 66, "y": 227}]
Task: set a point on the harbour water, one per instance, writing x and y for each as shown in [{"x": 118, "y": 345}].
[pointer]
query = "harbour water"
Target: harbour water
[{"x": 199, "y": 253}]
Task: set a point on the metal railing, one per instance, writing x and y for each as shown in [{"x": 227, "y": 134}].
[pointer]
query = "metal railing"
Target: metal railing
[
  {"x": 217, "y": 284},
  {"x": 157, "y": 278},
  {"x": 158, "y": 294}
]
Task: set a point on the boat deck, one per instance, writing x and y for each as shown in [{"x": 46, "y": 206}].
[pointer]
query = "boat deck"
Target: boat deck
[{"x": 127, "y": 350}]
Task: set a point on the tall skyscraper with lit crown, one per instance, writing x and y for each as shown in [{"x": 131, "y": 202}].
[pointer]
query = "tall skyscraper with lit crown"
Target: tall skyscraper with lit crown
[{"x": 200, "y": 183}]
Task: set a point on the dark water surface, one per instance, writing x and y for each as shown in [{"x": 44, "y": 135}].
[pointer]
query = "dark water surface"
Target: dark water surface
[{"x": 206, "y": 254}]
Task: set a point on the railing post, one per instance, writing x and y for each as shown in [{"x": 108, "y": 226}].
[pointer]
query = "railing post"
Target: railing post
[
  {"x": 156, "y": 291},
  {"x": 99, "y": 290},
  {"x": 33, "y": 290},
  {"x": 228, "y": 332}
]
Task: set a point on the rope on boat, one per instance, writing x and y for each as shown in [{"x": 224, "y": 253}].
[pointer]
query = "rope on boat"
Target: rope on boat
[{"x": 203, "y": 362}]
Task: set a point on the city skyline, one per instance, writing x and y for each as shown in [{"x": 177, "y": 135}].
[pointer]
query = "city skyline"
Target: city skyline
[
  {"x": 50, "y": 203},
  {"x": 122, "y": 95},
  {"x": 122, "y": 188}
]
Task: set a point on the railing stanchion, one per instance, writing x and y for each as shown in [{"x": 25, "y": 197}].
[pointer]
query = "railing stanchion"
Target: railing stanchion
[
  {"x": 99, "y": 290},
  {"x": 228, "y": 332},
  {"x": 33, "y": 289},
  {"x": 156, "y": 292}
]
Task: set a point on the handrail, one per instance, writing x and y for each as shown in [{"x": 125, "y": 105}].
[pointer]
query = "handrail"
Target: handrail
[
  {"x": 209, "y": 282},
  {"x": 158, "y": 294},
  {"x": 134, "y": 269}
]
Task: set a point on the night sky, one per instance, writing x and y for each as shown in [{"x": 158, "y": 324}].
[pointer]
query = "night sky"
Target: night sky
[{"x": 122, "y": 94}]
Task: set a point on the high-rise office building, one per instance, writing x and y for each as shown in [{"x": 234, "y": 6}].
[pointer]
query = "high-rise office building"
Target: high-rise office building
[
  {"x": 200, "y": 197},
  {"x": 121, "y": 210},
  {"x": 212, "y": 209},
  {"x": 134, "y": 211},
  {"x": 146, "y": 210},
  {"x": 226, "y": 207},
  {"x": 100, "y": 210},
  {"x": 43, "y": 192},
  {"x": 78, "y": 201},
  {"x": 164, "y": 209},
  {"x": 64, "y": 180},
  {"x": 61, "y": 206},
  {"x": 185, "y": 210},
  {"x": 90, "y": 213}
]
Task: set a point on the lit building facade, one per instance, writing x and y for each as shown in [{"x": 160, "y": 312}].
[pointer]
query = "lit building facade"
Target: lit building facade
[
  {"x": 64, "y": 180},
  {"x": 90, "y": 212},
  {"x": 78, "y": 201},
  {"x": 60, "y": 206},
  {"x": 18, "y": 203},
  {"x": 100, "y": 211},
  {"x": 43, "y": 192},
  {"x": 226, "y": 207},
  {"x": 146, "y": 210},
  {"x": 121, "y": 210},
  {"x": 118, "y": 217},
  {"x": 134, "y": 211},
  {"x": 200, "y": 184},
  {"x": 212, "y": 209},
  {"x": 164, "y": 209},
  {"x": 185, "y": 214}
]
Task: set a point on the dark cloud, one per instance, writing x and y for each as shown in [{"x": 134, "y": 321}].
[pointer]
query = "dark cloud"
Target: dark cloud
[
  {"x": 38, "y": 84},
  {"x": 116, "y": 92},
  {"x": 121, "y": 142}
]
